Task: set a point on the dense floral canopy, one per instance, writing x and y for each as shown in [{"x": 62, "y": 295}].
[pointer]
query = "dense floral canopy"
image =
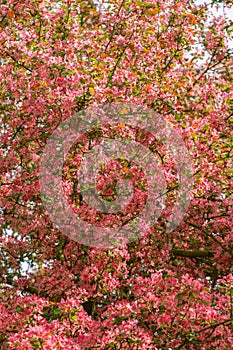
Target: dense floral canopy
[{"x": 161, "y": 291}]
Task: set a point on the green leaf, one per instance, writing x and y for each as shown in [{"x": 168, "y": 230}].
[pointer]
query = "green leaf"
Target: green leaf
[
  {"x": 162, "y": 307},
  {"x": 19, "y": 308},
  {"x": 57, "y": 311},
  {"x": 73, "y": 317},
  {"x": 179, "y": 296}
]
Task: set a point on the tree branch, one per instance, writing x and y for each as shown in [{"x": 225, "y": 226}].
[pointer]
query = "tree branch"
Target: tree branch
[{"x": 192, "y": 253}]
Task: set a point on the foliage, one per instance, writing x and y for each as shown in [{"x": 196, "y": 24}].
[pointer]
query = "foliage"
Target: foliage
[{"x": 163, "y": 291}]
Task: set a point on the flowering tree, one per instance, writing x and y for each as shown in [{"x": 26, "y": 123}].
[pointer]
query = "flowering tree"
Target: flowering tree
[{"x": 161, "y": 291}]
